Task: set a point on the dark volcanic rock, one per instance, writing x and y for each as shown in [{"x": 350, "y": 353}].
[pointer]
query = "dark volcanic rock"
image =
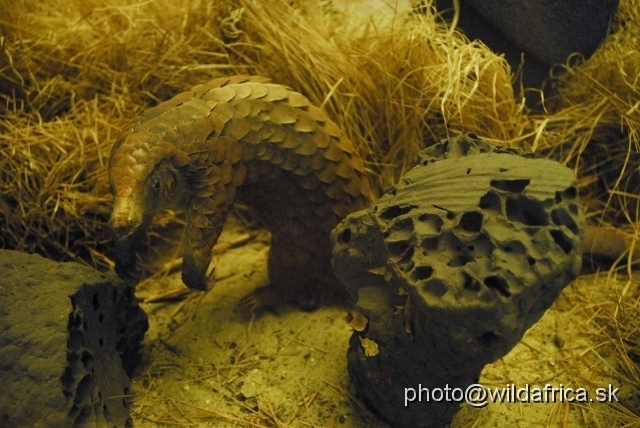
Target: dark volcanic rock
[
  {"x": 451, "y": 267},
  {"x": 70, "y": 340}
]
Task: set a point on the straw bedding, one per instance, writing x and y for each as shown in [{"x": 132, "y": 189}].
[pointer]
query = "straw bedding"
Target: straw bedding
[{"x": 73, "y": 73}]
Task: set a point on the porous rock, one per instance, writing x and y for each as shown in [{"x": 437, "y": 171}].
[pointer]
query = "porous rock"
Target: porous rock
[
  {"x": 70, "y": 340},
  {"x": 451, "y": 267}
]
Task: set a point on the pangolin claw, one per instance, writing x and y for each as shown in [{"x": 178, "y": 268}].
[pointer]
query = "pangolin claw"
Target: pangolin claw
[
  {"x": 194, "y": 279},
  {"x": 268, "y": 297},
  {"x": 192, "y": 276}
]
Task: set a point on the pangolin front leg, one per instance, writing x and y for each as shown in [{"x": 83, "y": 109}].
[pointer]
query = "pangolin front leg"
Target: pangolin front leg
[
  {"x": 200, "y": 236},
  {"x": 240, "y": 138}
]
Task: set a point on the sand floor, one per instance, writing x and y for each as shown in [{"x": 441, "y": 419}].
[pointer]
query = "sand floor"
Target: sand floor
[{"x": 207, "y": 363}]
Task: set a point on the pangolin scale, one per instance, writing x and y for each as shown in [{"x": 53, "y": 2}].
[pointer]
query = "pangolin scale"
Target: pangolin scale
[{"x": 240, "y": 139}]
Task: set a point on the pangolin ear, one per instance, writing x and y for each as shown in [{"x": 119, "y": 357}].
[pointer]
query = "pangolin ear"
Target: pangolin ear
[{"x": 172, "y": 179}]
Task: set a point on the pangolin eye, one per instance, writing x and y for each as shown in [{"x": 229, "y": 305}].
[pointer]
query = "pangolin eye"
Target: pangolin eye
[{"x": 155, "y": 185}]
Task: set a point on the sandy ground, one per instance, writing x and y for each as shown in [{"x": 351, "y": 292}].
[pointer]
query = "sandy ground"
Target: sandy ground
[{"x": 210, "y": 364}]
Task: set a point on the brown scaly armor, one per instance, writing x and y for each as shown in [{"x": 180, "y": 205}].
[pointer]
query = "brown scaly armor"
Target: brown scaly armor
[{"x": 240, "y": 138}]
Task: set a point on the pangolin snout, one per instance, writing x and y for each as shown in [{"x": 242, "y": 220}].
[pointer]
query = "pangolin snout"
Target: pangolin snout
[{"x": 126, "y": 216}]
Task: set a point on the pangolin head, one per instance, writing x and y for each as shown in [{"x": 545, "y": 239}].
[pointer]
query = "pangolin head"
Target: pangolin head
[{"x": 144, "y": 180}]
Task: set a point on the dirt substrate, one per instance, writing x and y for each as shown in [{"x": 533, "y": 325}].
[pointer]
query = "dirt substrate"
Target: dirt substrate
[{"x": 209, "y": 364}]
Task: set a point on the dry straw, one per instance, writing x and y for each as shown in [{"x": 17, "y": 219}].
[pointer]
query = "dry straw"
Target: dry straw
[
  {"x": 74, "y": 72},
  {"x": 595, "y": 121}
]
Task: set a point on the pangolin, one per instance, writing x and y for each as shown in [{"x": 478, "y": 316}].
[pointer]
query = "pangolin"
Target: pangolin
[{"x": 243, "y": 139}]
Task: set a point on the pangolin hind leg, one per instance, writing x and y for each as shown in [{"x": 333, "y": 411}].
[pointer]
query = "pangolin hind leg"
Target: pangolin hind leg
[
  {"x": 288, "y": 283},
  {"x": 299, "y": 275}
]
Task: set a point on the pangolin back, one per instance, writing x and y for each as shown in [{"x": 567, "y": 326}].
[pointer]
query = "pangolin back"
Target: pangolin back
[{"x": 262, "y": 142}]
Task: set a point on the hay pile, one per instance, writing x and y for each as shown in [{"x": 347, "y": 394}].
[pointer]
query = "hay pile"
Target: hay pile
[
  {"x": 594, "y": 123},
  {"x": 74, "y": 72}
]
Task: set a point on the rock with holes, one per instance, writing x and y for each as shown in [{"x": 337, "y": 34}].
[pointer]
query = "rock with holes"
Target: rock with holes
[
  {"x": 450, "y": 268},
  {"x": 70, "y": 340}
]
